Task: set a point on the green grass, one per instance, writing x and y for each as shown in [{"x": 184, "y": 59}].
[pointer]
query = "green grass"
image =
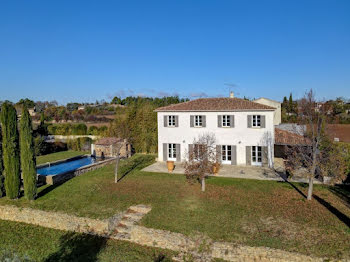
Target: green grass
[
  {"x": 249, "y": 212},
  {"x": 36, "y": 243},
  {"x": 58, "y": 156}
]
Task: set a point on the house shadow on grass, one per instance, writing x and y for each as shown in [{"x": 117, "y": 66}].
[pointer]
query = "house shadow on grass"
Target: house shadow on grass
[{"x": 78, "y": 247}]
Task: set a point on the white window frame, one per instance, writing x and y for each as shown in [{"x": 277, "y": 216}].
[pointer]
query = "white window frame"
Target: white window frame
[
  {"x": 256, "y": 121},
  {"x": 256, "y": 155},
  {"x": 226, "y": 154},
  {"x": 226, "y": 121},
  {"x": 198, "y": 121},
  {"x": 171, "y": 121},
  {"x": 172, "y": 152}
]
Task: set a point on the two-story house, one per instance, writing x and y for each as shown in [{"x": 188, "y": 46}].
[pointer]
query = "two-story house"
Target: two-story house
[{"x": 244, "y": 130}]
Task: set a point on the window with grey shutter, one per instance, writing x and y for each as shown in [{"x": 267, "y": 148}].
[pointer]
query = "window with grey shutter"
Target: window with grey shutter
[
  {"x": 249, "y": 120},
  {"x": 165, "y": 152},
  {"x": 219, "y": 121},
  {"x": 232, "y": 121},
  {"x": 178, "y": 153},
  {"x": 263, "y": 122},
  {"x": 204, "y": 122},
  {"x": 165, "y": 121},
  {"x": 218, "y": 153},
  {"x": 191, "y": 121},
  {"x": 233, "y": 155},
  {"x": 176, "y": 121},
  {"x": 248, "y": 155}
]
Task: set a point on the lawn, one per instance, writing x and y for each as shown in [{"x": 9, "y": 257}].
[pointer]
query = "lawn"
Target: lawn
[
  {"x": 249, "y": 212},
  {"x": 58, "y": 156},
  {"x": 34, "y": 243}
]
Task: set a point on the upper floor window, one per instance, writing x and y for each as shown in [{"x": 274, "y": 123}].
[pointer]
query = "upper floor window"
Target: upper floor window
[
  {"x": 171, "y": 121},
  {"x": 198, "y": 121},
  {"x": 226, "y": 121},
  {"x": 256, "y": 120}
]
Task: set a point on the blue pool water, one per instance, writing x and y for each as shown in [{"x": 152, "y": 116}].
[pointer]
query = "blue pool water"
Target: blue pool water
[{"x": 65, "y": 166}]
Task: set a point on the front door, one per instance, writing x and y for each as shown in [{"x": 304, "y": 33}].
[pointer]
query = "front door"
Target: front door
[
  {"x": 256, "y": 156},
  {"x": 226, "y": 154}
]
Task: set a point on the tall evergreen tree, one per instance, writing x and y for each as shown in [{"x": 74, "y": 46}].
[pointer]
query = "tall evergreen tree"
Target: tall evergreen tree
[
  {"x": 291, "y": 106},
  {"x": 10, "y": 148},
  {"x": 28, "y": 161},
  {"x": 2, "y": 189}
]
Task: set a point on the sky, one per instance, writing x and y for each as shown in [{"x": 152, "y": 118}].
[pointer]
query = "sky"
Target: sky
[{"x": 83, "y": 51}]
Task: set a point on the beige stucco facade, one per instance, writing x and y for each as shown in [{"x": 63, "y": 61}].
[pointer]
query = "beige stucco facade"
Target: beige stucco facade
[{"x": 273, "y": 103}]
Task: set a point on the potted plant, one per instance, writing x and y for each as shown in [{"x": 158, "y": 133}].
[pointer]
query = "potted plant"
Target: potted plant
[{"x": 170, "y": 165}]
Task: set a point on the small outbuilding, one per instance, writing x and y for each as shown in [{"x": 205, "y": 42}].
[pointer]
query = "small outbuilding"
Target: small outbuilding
[{"x": 108, "y": 147}]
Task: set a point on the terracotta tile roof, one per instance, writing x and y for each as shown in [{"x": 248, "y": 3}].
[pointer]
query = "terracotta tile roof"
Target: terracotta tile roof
[
  {"x": 340, "y": 131},
  {"x": 283, "y": 137},
  {"x": 106, "y": 141},
  {"x": 215, "y": 104}
]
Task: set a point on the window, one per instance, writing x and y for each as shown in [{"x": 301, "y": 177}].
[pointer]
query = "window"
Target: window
[
  {"x": 256, "y": 120},
  {"x": 198, "y": 151},
  {"x": 172, "y": 151},
  {"x": 226, "y": 153},
  {"x": 256, "y": 155},
  {"x": 226, "y": 121},
  {"x": 171, "y": 121},
  {"x": 198, "y": 121}
]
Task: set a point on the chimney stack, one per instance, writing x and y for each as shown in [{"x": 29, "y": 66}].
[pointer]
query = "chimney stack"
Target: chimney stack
[{"x": 232, "y": 94}]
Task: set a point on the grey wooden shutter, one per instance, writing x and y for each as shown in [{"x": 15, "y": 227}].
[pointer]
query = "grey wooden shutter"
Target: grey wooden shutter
[
  {"x": 190, "y": 151},
  {"x": 204, "y": 121},
  {"x": 233, "y": 155},
  {"x": 176, "y": 121},
  {"x": 165, "y": 121},
  {"x": 249, "y": 119},
  {"x": 191, "y": 121},
  {"x": 248, "y": 155},
  {"x": 165, "y": 152},
  {"x": 262, "y": 121},
  {"x": 218, "y": 153},
  {"x": 265, "y": 156},
  {"x": 232, "y": 121},
  {"x": 178, "y": 153},
  {"x": 219, "y": 121}
]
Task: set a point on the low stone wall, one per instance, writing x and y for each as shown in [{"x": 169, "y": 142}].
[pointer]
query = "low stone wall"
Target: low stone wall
[
  {"x": 56, "y": 179},
  {"x": 55, "y": 220},
  {"x": 123, "y": 226}
]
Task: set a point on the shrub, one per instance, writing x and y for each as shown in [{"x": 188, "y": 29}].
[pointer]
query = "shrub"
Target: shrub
[
  {"x": 79, "y": 144},
  {"x": 2, "y": 189}
]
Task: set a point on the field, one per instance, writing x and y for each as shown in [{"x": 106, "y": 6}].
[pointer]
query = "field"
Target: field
[{"x": 249, "y": 212}]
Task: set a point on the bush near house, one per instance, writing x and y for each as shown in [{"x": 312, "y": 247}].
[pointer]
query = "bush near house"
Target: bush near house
[{"x": 79, "y": 144}]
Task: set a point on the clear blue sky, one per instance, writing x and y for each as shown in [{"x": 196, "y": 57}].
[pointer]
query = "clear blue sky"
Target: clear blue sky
[{"x": 88, "y": 50}]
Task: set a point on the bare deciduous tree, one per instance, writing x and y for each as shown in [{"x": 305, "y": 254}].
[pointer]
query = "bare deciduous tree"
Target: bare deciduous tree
[
  {"x": 316, "y": 151},
  {"x": 119, "y": 146},
  {"x": 201, "y": 158}
]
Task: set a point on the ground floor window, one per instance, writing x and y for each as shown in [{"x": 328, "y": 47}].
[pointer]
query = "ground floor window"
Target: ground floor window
[
  {"x": 256, "y": 155},
  {"x": 172, "y": 152},
  {"x": 226, "y": 153}
]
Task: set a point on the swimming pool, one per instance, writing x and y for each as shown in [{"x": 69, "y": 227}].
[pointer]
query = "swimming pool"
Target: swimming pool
[{"x": 67, "y": 166}]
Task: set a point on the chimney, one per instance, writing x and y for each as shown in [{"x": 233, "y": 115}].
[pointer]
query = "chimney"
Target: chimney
[{"x": 232, "y": 94}]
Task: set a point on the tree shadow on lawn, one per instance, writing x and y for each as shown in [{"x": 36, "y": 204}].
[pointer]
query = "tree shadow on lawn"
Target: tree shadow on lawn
[
  {"x": 341, "y": 216},
  {"x": 48, "y": 189},
  {"x": 78, "y": 247}
]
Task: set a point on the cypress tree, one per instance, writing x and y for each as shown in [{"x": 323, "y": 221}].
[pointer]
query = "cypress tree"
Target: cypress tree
[
  {"x": 10, "y": 150},
  {"x": 28, "y": 161},
  {"x": 2, "y": 189},
  {"x": 291, "y": 109}
]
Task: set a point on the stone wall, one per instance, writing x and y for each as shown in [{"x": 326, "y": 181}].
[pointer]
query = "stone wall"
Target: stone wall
[{"x": 54, "y": 220}]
